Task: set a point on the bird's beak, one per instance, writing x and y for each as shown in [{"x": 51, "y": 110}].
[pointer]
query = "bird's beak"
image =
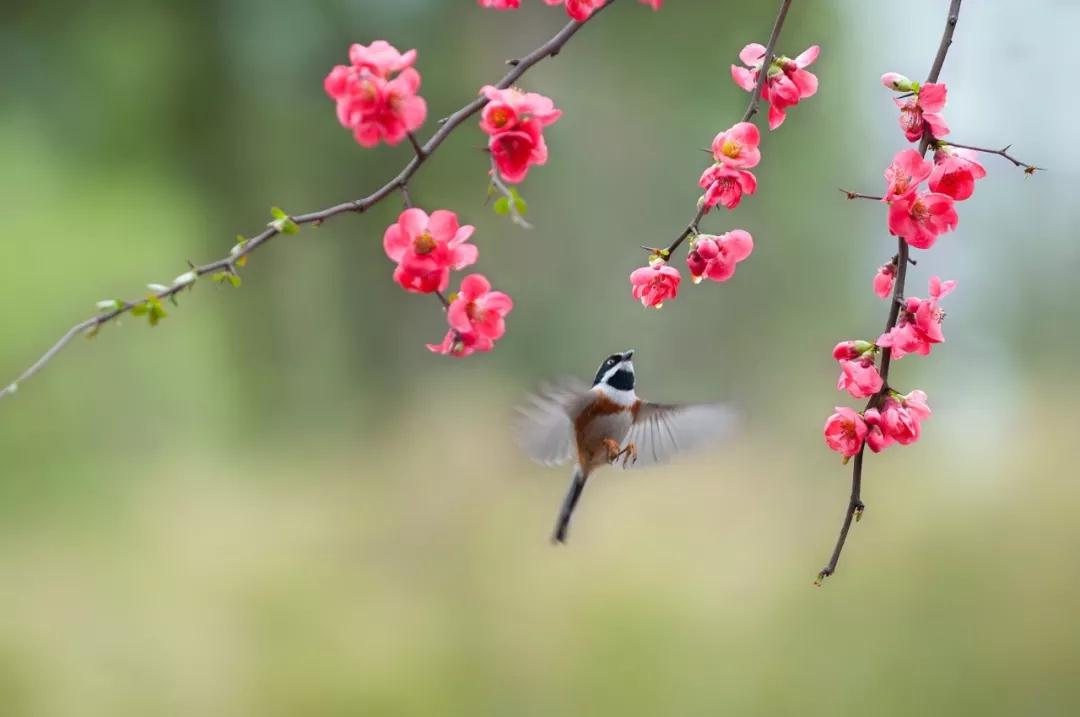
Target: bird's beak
[{"x": 627, "y": 355}]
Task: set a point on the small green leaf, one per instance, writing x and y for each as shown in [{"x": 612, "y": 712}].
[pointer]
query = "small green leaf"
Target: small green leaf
[
  {"x": 501, "y": 206},
  {"x": 219, "y": 276},
  {"x": 282, "y": 222},
  {"x": 140, "y": 309},
  {"x": 521, "y": 206},
  {"x": 234, "y": 280}
]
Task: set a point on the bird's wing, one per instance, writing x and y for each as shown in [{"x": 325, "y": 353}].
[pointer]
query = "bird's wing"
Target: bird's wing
[
  {"x": 544, "y": 427},
  {"x": 660, "y": 431}
]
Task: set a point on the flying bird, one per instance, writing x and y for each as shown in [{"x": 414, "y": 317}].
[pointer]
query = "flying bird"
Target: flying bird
[{"x": 607, "y": 424}]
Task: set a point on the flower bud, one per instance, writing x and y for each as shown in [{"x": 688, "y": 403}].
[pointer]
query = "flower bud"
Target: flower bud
[{"x": 896, "y": 81}]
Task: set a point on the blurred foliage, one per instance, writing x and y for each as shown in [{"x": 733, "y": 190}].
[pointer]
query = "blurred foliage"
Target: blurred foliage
[{"x": 278, "y": 502}]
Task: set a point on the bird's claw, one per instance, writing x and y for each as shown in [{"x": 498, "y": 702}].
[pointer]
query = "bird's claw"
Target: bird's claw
[
  {"x": 629, "y": 455},
  {"x": 613, "y": 451}
]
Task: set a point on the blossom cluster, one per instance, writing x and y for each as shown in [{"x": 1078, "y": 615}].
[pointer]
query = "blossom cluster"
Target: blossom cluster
[
  {"x": 579, "y": 10},
  {"x": 376, "y": 93},
  {"x": 918, "y": 216},
  {"x": 735, "y": 152},
  {"x": 426, "y": 249},
  {"x": 514, "y": 122}
]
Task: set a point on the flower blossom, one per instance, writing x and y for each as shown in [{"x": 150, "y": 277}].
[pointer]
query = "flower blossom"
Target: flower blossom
[
  {"x": 477, "y": 318},
  {"x": 787, "y": 80},
  {"x": 845, "y": 431},
  {"x": 858, "y": 373},
  {"x": 655, "y": 284},
  {"x": 899, "y": 420},
  {"x": 370, "y": 101},
  {"x": 918, "y": 327},
  {"x": 955, "y": 171},
  {"x": 427, "y": 248},
  {"x": 907, "y": 171},
  {"x": 883, "y": 280},
  {"x": 737, "y": 147},
  {"x": 923, "y": 111},
  {"x": 714, "y": 257},
  {"x": 724, "y": 185},
  {"x": 921, "y": 217},
  {"x": 515, "y": 122},
  {"x": 476, "y": 309},
  {"x": 581, "y": 10}
]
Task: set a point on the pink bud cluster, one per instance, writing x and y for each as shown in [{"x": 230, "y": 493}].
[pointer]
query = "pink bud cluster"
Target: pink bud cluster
[
  {"x": 918, "y": 216},
  {"x": 579, "y": 10},
  {"x": 376, "y": 93},
  {"x": 735, "y": 152}
]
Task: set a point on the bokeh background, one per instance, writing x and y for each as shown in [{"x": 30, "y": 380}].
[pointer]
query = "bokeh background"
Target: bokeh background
[{"x": 278, "y": 502}]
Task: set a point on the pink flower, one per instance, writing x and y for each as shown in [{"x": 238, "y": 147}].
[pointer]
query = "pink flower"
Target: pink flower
[
  {"x": 738, "y": 147},
  {"x": 461, "y": 345},
  {"x": 907, "y": 171},
  {"x": 859, "y": 377},
  {"x": 877, "y": 438},
  {"x": 845, "y": 431},
  {"x": 883, "y": 280},
  {"x": 715, "y": 257},
  {"x": 581, "y": 10},
  {"x": 918, "y": 327},
  {"x": 427, "y": 248},
  {"x": 921, "y": 217},
  {"x": 501, "y": 4},
  {"x": 655, "y": 284},
  {"x": 955, "y": 172},
  {"x": 515, "y": 120},
  {"x": 724, "y": 185},
  {"x": 902, "y": 417},
  {"x": 371, "y": 103},
  {"x": 477, "y": 310},
  {"x": 922, "y": 111},
  {"x": 896, "y": 81},
  {"x": 787, "y": 81},
  {"x": 380, "y": 58}
]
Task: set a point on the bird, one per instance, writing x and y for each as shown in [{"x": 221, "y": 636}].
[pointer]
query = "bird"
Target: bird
[{"x": 607, "y": 424}]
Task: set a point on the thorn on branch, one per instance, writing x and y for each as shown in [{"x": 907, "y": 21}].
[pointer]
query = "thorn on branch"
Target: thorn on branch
[{"x": 513, "y": 63}]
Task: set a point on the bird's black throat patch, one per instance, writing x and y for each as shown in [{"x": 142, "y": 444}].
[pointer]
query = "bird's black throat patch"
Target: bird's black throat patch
[{"x": 622, "y": 380}]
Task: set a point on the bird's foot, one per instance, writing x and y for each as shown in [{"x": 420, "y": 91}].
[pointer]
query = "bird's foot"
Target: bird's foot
[
  {"x": 613, "y": 451},
  {"x": 629, "y": 455}
]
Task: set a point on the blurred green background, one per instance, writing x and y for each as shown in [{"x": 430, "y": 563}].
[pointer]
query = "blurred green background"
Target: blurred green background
[{"x": 279, "y": 503}]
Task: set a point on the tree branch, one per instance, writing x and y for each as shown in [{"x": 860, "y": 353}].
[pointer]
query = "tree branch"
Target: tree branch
[
  {"x": 400, "y": 182},
  {"x": 751, "y": 110},
  {"x": 1003, "y": 152},
  {"x": 855, "y": 505}
]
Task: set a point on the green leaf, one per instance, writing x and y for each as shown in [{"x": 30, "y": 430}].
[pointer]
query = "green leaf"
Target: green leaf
[
  {"x": 521, "y": 206},
  {"x": 234, "y": 280},
  {"x": 219, "y": 277},
  {"x": 140, "y": 309},
  {"x": 501, "y": 206},
  {"x": 282, "y": 222}
]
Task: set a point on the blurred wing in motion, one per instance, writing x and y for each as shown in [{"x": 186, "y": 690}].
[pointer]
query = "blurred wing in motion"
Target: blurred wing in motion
[
  {"x": 660, "y": 431},
  {"x": 544, "y": 428}
]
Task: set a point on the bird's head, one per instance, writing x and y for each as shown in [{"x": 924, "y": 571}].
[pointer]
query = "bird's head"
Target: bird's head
[{"x": 616, "y": 374}]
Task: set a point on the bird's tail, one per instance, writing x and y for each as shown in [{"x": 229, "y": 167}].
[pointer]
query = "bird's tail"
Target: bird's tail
[{"x": 577, "y": 484}]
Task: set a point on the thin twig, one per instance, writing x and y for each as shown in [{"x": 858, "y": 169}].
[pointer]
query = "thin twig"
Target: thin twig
[
  {"x": 856, "y": 195},
  {"x": 855, "y": 504},
  {"x": 1003, "y": 152},
  {"x": 400, "y": 182},
  {"x": 511, "y": 199},
  {"x": 751, "y": 109}
]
